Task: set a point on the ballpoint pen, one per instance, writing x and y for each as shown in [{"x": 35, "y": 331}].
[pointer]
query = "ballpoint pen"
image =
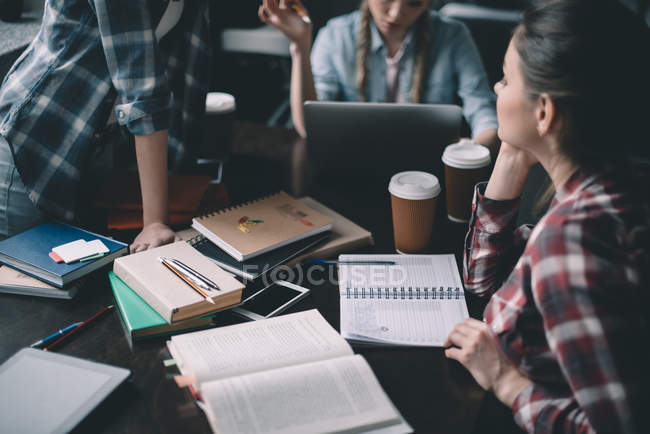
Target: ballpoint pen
[
  {"x": 204, "y": 280},
  {"x": 360, "y": 262},
  {"x": 56, "y": 334},
  {"x": 82, "y": 325},
  {"x": 195, "y": 283}
]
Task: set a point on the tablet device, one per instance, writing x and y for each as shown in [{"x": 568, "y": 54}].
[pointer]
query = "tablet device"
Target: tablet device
[
  {"x": 50, "y": 392},
  {"x": 271, "y": 300}
]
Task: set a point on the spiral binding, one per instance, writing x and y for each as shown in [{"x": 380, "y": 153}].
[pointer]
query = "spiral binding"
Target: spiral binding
[
  {"x": 401, "y": 293},
  {"x": 237, "y": 206}
]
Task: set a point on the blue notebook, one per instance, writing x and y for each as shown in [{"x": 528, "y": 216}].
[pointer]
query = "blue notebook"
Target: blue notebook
[{"x": 29, "y": 252}]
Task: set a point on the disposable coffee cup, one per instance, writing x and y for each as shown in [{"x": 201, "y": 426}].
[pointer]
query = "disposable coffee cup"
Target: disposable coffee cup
[
  {"x": 413, "y": 201},
  {"x": 217, "y": 126},
  {"x": 466, "y": 164}
]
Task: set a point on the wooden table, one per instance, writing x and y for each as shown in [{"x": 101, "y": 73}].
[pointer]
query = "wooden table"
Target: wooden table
[{"x": 435, "y": 395}]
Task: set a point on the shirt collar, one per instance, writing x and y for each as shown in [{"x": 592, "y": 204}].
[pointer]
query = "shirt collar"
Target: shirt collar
[
  {"x": 578, "y": 181},
  {"x": 377, "y": 42}
]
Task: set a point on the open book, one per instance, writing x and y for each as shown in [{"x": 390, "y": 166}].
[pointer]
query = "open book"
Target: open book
[
  {"x": 290, "y": 374},
  {"x": 415, "y": 302}
]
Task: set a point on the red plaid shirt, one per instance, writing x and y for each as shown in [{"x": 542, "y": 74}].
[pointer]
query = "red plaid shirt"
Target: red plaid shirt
[{"x": 569, "y": 300}]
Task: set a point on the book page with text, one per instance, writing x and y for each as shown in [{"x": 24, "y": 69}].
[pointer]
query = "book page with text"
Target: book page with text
[
  {"x": 339, "y": 395},
  {"x": 259, "y": 345}
]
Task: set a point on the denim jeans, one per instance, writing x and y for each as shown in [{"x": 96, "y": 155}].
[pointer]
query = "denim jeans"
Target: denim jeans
[{"x": 17, "y": 211}]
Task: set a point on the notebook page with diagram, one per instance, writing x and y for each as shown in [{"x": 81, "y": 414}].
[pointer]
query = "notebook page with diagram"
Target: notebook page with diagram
[{"x": 415, "y": 302}]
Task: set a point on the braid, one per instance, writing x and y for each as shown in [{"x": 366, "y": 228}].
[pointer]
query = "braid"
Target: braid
[
  {"x": 363, "y": 47},
  {"x": 422, "y": 43}
]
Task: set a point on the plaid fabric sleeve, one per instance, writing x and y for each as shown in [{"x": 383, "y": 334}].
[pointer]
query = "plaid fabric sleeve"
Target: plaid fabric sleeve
[
  {"x": 585, "y": 286},
  {"x": 493, "y": 244},
  {"x": 135, "y": 65}
]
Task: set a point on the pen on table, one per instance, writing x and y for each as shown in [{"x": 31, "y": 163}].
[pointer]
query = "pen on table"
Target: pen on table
[
  {"x": 55, "y": 334},
  {"x": 82, "y": 325},
  {"x": 204, "y": 281},
  {"x": 187, "y": 277},
  {"x": 327, "y": 262},
  {"x": 300, "y": 10}
]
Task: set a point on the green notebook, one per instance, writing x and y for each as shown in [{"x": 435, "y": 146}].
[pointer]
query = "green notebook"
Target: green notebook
[{"x": 139, "y": 320}]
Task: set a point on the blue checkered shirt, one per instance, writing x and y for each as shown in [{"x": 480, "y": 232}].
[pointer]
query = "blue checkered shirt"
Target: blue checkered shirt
[{"x": 90, "y": 57}]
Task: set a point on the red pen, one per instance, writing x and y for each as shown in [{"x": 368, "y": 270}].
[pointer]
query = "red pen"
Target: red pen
[{"x": 107, "y": 308}]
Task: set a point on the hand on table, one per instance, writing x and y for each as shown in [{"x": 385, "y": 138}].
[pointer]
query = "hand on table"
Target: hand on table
[
  {"x": 472, "y": 344},
  {"x": 281, "y": 16},
  {"x": 153, "y": 235}
]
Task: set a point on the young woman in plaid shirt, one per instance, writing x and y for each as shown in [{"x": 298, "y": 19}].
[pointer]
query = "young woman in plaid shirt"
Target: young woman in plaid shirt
[{"x": 565, "y": 342}]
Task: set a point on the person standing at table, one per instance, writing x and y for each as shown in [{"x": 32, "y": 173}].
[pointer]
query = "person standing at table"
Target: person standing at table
[
  {"x": 89, "y": 59},
  {"x": 388, "y": 51},
  {"x": 566, "y": 331}
]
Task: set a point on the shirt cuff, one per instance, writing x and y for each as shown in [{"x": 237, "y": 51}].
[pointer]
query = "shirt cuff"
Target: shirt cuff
[
  {"x": 522, "y": 408},
  {"x": 490, "y": 215},
  {"x": 146, "y": 116},
  {"x": 485, "y": 123}
]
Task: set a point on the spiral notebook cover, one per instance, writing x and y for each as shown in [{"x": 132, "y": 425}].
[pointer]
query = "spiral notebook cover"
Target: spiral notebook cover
[
  {"x": 417, "y": 301},
  {"x": 256, "y": 227}
]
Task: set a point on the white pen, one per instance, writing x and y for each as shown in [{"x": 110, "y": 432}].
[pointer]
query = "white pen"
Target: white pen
[{"x": 187, "y": 278}]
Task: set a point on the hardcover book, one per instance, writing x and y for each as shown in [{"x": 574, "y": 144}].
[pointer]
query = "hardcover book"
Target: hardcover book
[
  {"x": 141, "y": 321},
  {"x": 29, "y": 251},
  {"x": 168, "y": 294}
]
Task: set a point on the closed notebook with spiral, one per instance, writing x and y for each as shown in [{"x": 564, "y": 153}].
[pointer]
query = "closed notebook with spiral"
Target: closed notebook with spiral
[
  {"x": 253, "y": 228},
  {"x": 415, "y": 302}
]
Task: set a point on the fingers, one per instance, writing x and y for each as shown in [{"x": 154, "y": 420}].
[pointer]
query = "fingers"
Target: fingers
[
  {"x": 262, "y": 13},
  {"x": 138, "y": 247}
]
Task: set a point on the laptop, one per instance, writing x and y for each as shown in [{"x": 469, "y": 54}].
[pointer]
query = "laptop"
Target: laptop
[{"x": 382, "y": 137}]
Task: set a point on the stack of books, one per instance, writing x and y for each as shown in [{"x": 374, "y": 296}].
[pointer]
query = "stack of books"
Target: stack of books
[
  {"x": 252, "y": 239},
  {"x": 154, "y": 300},
  {"x": 29, "y": 268},
  {"x": 247, "y": 241}
]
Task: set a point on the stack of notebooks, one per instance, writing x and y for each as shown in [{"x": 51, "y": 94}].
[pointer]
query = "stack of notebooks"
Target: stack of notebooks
[
  {"x": 29, "y": 269},
  {"x": 264, "y": 234},
  {"x": 283, "y": 231},
  {"x": 153, "y": 301}
]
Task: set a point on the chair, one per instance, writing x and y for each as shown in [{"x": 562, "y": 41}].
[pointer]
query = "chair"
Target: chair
[
  {"x": 491, "y": 29},
  {"x": 264, "y": 40}
]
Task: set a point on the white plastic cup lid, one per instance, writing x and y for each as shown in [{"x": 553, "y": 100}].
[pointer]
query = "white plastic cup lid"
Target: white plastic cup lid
[
  {"x": 466, "y": 155},
  {"x": 218, "y": 102},
  {"x": 414, "y": 185}
]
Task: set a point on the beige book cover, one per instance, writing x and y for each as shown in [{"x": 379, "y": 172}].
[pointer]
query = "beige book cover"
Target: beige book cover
[
  {"x": 346, "y": 235},
  {"x": 166, "y": 293},
  {"x": 13, "y": 281},
  {"x": 247, "y": 230}
]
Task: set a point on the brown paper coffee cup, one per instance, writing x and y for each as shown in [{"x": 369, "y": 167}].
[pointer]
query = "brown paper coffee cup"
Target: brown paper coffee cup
[
  {"x": 466, "y": 164},
  {"x": 413, "y": 198}
]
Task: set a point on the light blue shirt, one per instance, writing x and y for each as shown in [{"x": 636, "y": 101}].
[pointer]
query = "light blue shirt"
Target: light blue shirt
[{"x": 456, "y": 71}]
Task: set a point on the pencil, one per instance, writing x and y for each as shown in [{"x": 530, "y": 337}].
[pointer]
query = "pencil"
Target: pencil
[
  {"x": 56, "y": 342},
  {"x": 300, "y": 10},
  {"x": 186, "y": 280}
]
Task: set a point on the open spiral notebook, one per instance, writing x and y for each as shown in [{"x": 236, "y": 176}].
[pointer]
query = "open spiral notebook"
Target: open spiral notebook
[{"x": 415, "y": 302}]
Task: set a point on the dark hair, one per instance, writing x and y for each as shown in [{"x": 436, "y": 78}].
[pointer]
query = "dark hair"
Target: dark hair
[{"x": 590, "y": 57}]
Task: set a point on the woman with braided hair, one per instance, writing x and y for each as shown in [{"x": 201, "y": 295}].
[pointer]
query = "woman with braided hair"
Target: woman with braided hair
[{"x": 388, "y": 51}]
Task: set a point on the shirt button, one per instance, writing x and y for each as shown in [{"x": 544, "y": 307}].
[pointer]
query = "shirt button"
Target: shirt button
[{"x": 120, "y": 114}]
